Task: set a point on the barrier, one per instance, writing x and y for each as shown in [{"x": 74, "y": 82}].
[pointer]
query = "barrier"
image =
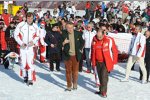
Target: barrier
[{"x": 122, "y": 41}]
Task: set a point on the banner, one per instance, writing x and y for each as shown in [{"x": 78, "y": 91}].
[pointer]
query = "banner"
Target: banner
[{"x": 122, "y": 41}]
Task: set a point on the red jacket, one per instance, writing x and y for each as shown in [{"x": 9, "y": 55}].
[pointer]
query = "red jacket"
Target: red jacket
[
  {"x": 88, "y": 5},
  {"x": 109, "y": 50},
  {"x": 125, "y": 9},
  {"x": 2, "y": 40},
  {"x": 6, "y": 18}
]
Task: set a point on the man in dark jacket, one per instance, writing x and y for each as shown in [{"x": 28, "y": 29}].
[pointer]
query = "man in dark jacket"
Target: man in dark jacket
[
  {"x": 9, "y": 36},
  {"x": 72, "y": 48},
  {"x": 147, "y": 55},
  {"x": 53, "y": 40}
]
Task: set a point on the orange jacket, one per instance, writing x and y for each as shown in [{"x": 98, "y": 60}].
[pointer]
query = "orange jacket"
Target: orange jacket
[
  {"x": 109, "y": 52},
  {"x": 2, "y": 40}
]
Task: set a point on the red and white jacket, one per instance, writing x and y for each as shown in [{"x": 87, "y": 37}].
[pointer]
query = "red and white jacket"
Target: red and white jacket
[
  {"x": 25, "y": 33},
  {"x": 138, "y": 45},
  {"x": 109, "y": 52},
  {"x": 42, "y": 36}
]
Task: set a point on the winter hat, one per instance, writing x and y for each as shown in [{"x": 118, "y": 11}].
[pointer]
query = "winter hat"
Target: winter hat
[
  {"x": 53, "y": 25},
  {"x": 43, "y": 23}
]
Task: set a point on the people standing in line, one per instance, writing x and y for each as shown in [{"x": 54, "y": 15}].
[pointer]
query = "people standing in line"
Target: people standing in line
[
  {"x": 104, "y": 57},
  {"x": 137, "y": 53},
  {"x": 73, "y": 43},
  {"x": 26, "y": 35}
]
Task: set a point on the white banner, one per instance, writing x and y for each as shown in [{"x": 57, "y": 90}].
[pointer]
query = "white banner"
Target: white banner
[{"x": 122, "y": 41}]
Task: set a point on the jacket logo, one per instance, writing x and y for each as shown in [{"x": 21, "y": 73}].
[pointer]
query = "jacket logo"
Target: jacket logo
[
  {"x": 99, "y": 46},
  {"x": 105, "y": 44}
]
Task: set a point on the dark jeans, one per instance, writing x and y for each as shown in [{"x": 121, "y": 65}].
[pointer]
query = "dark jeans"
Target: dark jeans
[
  {"x": 147, "y": 69},
  {"x": 91, "y": 15},
  {"x": 81, "y": 61},
  {"x": 54, "y": 58},
  {"x": 103, "y": 76},
  {"x": 80, "y": 64},
  {"x": 88, "y": 62}
]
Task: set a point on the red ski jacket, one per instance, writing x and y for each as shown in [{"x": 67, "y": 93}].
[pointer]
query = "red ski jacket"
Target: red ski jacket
[{"x": 109, "y": 52}]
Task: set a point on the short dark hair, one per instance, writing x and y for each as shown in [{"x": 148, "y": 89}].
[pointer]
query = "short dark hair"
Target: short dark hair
[
  {"x": 69, "y": 23},
  {"x": 29, "y": 14}
]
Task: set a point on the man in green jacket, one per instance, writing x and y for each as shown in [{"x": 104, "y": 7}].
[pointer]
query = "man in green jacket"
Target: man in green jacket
[{"x": 73, "y": 44}]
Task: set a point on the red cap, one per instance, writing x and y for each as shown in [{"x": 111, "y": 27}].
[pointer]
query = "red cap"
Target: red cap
[{"x": 43, "y": 23}]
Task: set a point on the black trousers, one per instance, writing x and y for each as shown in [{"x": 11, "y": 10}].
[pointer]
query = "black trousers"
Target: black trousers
[
  {"x": 103, "y": 76},
  {"x": 147, "y": 62},
  {"x": 54, "y": 58},
  {"x": 80, "y": 65}
]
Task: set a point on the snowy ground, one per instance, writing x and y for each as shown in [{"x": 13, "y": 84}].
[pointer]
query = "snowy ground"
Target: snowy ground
[{"x": 51, "y": 85}]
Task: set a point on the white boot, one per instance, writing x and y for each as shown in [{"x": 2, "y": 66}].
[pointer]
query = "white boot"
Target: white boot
[{"x": 144, "y": 82}]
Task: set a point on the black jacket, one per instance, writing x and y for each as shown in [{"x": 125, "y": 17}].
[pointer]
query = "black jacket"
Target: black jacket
[
  {"x": 53, "y": 38},
  {"x": 79, "y": 44},
  {"x": 147, "y": 54}
]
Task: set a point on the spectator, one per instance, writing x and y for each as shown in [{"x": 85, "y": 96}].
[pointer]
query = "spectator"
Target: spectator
[
  {"x": 6, "y": 17},
  {"x": 53, "y": 40},
  {"x": 9, "y": 34},
  {"x": 73, "y": 48}
]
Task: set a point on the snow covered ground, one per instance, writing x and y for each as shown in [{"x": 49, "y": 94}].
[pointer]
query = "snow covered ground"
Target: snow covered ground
[{"x": 51, "y": 85}]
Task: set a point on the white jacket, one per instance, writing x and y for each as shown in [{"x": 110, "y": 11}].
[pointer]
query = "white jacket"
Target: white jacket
[
  {"x": 138, "y": 45},
  {"x": 88, "y": 37},
  {"x": 25, "y": 33},
  {"x": 42, "y": 36}
]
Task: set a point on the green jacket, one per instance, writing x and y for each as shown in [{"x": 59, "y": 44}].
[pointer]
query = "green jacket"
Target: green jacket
[{"x": 79, "y": 44}]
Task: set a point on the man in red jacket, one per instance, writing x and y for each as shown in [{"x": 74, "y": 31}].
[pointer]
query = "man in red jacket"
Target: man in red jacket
[
  {"x": 6, "y": 17},
  {"x": 104, "y": 56}
]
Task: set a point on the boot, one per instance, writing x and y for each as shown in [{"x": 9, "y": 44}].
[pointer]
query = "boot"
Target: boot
[
  {"x": 68, "y": 89},
  {"x": 29, "y": 82},
  {"x": 25, "y": 79}
]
